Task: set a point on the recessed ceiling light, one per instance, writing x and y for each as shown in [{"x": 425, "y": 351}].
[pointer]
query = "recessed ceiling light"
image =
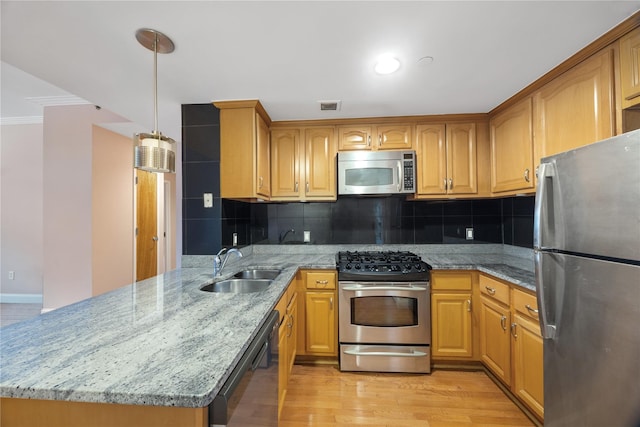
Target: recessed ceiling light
[{"x": 387, "y": 64}]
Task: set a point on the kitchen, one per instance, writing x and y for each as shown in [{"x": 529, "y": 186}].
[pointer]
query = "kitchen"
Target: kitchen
[{"x": 468, "y": 208}]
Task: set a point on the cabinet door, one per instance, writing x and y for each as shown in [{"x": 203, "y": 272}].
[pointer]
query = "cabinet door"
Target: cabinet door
[
  {"x": 528, "y": 383},
  {"x": 283, "y": 371},
  {"x": 292, "y": 334},
  {"x": 320, "y": 163},
  {"x": 431, "y": 158},
  {"x": 462, "y": 158},
  {"x": 630, "y": 68},
  {"x": 576, "y": 108},
  {"x": 512, "y": 148},
  {"x": 394, "y": 137},
  {"x": 263, "y": 186},
  {"x": 494, "y": 338},
  {"x": 321, "y": 323},
  {"x": 451, "y": 325},
  {"x": 285, "y": 162},
  {"x": 354, "y": 138}
]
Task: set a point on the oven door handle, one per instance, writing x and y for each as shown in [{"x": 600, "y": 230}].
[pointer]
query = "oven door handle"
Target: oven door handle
[
  {"x": 385, "y": 288},
  {"x": 414, "y": 353}
]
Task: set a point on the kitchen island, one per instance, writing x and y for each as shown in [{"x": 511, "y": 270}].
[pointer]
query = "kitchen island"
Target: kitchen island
[{"x": 165, "y": 344}]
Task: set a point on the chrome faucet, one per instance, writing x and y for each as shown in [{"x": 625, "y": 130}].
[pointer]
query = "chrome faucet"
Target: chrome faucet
[
  {"x": 284, "y": 234},
  {"x": 219, "y": 263}
]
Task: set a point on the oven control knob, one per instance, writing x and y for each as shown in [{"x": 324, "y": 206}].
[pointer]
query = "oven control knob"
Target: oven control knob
[
  {"x": 418, "y": 267},
  {"x": 348, "y": 266},
  {"x": 357, "y": 267},
  {"x": 407, "y": 267}
]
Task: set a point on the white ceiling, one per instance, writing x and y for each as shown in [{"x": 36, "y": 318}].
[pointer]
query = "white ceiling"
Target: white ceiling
[{"x": 290, "y": 54}]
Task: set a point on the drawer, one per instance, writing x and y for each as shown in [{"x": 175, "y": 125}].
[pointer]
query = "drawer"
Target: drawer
[
  {"x": 321, "y": 280},
  {"x": 525, "y": 303},
  {"x": 451, "y": 280},
  {"x": 494, "y": 289}
]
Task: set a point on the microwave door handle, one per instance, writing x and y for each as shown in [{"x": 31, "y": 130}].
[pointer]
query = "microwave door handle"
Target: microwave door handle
[{"x": 400, "y": 178}]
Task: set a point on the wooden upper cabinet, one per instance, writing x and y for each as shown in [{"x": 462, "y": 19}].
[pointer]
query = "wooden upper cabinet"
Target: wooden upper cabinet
[
  {"x": 354, "y": 138},
  {"x": 462, "y": 158},
  {"x": 394, "y": 137},
  {"x": 381, "y": 137},
  {"x": 303, "y": 163},
  {"x": 431, "y": 159},
  {"x": 577, "y": 108},
  {"x": 244, "y": 150},
  {"x": 511, "y": 133},
  {"x": 630, "y": 68},
  {"x": 285, "y": 161},
  {"x": 447, "y": 159},
  {"x": 320, "y": 163}
]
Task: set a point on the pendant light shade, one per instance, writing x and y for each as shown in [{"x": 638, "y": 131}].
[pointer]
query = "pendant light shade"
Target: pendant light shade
[{"x": 154, "y": 152}]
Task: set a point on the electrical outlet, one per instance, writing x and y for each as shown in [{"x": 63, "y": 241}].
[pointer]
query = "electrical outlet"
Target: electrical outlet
[
  {"x": 208, "y": 200},
  {"x": 235, "y": 239},
  {"x": 307, "y": 236},
  {"x": 469, "y": 233},
  {"x": 12, "y": 275}
]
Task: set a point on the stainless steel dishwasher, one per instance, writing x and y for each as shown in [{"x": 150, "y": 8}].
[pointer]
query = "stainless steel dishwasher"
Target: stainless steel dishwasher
[{"x": 250, "y": 395}]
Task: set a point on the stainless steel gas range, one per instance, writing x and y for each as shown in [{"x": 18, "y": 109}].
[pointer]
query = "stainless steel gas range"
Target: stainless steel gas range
[{"x": 384, "y": 312}]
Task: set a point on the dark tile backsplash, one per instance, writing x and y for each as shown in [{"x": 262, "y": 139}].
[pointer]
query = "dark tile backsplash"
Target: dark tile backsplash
[{"x": 348, "y": 220}]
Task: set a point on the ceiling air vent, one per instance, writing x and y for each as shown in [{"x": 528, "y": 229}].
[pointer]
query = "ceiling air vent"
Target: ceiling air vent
[{"x": 330, "y": 105}]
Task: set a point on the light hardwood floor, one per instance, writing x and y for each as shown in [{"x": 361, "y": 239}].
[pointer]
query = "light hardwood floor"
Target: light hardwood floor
[
  {"x": 12, "y": 313},
  {"x": 324, "y": 396}
]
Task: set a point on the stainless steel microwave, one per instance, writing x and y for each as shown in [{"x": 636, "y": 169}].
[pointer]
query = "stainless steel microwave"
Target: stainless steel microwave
[{"x": 376, "y": 172}]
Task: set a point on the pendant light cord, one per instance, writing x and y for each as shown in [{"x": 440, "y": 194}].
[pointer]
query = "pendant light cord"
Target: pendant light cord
[{"x": 155, "y": 85}]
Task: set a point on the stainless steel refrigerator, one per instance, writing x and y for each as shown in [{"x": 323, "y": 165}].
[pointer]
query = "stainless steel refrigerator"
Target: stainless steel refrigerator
[{"x": 587, "y": 264}]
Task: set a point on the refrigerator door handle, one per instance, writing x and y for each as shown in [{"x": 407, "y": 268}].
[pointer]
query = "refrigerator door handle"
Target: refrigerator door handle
[
  {"x": 547, "y": 329},
  {"x": 543, "y": 211}
]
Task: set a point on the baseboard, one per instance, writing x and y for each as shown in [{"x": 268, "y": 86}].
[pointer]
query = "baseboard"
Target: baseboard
[{"x": 20, "y": 298}]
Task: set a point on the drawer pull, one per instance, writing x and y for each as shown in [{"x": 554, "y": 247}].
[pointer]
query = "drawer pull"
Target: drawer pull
[
  {"x": 324, "y": 283},
  {"x": 531, "y": 309},
  {"x": 491, "y": 291}
]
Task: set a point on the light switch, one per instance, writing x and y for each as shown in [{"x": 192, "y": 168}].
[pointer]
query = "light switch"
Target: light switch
[
  {"x": 208, "y": 200},
  {"x": 307, "y": 236},
  {"x": 469, "y": 233}
]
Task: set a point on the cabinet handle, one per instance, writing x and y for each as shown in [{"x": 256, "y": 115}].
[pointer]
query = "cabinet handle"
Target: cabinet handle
[
  {"x": 513, "y": 330},
  {"x": 380, "y": 140},
  {"x": 331, "y": 303},
  {"x": 537, "y": 167},
  {"x": 531, "y": 309},
  {"x": 260, "y": 180},
  {"x": 295, "y": 187},
  {"x": 324, "y": 283},
  {"x": 503, "y": 322},
  {"x": 445, "y": 184},
  {"x": 369, "y": 141},
  {"x": 307, "y": 187},
  {"x": 491, "y": 291},
  {"x": 468, "y": 305},
  {"x": 290, "y": 326},
  {"x": 526, "y": 175},
  {"x": 450, "y": 184}
]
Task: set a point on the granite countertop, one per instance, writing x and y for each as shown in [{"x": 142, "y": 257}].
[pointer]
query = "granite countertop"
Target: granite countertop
[{"x": 163, "y": 342}]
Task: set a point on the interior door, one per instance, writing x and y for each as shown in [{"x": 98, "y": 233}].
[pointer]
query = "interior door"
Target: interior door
[{"x": 146, "y": 225}]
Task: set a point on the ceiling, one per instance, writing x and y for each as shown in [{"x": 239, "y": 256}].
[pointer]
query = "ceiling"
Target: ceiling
[{"x": 288, "y": 54}]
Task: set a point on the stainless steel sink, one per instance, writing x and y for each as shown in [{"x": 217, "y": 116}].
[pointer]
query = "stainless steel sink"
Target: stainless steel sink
[
  {"x": 257, "y": 274},
  {"x": 237, "y": 286}
]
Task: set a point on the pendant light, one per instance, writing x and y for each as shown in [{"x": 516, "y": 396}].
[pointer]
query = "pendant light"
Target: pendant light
[{"x": 154, "y": 152}]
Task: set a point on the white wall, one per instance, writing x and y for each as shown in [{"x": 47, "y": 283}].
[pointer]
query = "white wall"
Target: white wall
[
  {"x": 67, "y": 213},
  {"x": 112, "y": 211},
  {"x": 21, "y": 202}
]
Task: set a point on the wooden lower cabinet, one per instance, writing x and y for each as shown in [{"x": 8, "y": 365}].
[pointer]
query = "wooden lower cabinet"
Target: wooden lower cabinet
[
  {"x": 495, "y": 348},
  {"x": 318, "y": 305},
  {"x": 511, "y": 345},
  {"x": 46, "y": 413},
  {"x": 287, "y": 335},
  {"x": 451, "y": 315}
]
